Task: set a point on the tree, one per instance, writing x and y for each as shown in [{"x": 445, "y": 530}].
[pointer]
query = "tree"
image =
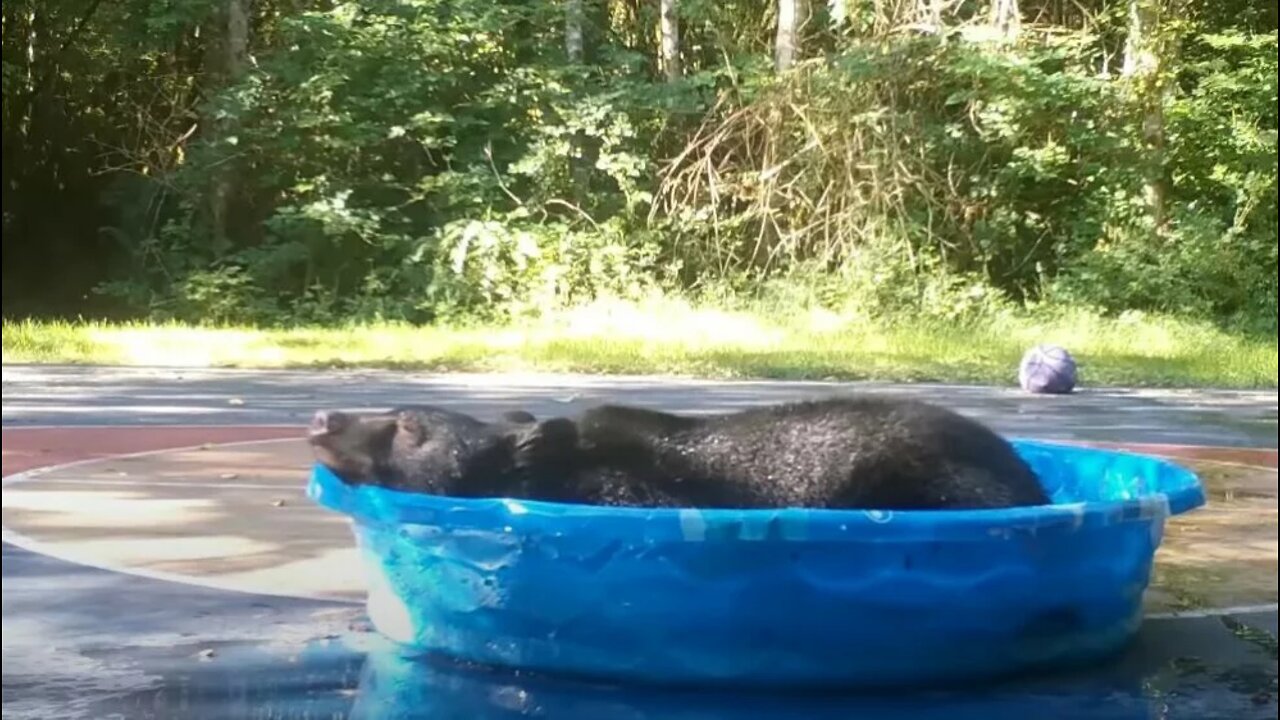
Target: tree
[
  {"x": 1143, "y": 62},
  {"x": 670, "y": 31},
  {"x": 226, "y": 59},
  {"x": 573, "y": 18},
  {"x": 573, "y": 48},
  {"x": 1006, "y": 19},
  {"x": 784, "y": 48}
]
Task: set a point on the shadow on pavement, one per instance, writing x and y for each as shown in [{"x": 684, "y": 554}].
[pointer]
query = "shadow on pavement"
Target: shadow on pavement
[{"x": 1195, "y": 669}]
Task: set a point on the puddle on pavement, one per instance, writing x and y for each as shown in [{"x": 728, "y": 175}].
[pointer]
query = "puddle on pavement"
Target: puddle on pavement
[
  {"x": 1223, "y": 554},
  {"x": 1192, "y": 669}
]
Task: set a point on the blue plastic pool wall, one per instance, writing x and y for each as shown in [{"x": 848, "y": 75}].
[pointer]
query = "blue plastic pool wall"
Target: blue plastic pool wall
[
  {"x": 789, "y": 597},
  {"x": 774, "y": 614}
]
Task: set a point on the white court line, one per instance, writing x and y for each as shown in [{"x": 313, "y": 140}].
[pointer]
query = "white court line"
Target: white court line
[
  {"x": 301, "y": 427},
  {"x": 17, "y": 539},
  {"x": 32, "y": 545},
  {"x": 1215, "y": 612},
  {"x": 170, "y": 483},
  {"x": 1228, "y": 463}
]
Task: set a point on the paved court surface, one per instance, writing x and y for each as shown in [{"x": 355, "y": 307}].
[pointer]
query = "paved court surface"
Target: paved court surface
[
  {"x": 41, "y": 395},
  {"x": 234, "y": 516},
  {"x": 195, "y": 580}
]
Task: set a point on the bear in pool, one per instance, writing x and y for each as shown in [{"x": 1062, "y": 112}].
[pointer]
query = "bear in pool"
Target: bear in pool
[
  {"x": 442, "y": 452},
  {"x": 845, "y": 452},
  {"x": 869, "y": 453}
]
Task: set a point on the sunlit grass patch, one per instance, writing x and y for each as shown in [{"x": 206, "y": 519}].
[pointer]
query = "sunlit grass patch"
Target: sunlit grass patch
[{"x": 677, "y": 338}]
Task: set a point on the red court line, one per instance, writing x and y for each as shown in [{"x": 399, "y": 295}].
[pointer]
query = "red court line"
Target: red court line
[{"x": 30, "y": 448}]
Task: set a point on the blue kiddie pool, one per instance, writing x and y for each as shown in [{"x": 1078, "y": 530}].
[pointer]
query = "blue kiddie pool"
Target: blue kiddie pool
[{"x": 794, "y": 597}]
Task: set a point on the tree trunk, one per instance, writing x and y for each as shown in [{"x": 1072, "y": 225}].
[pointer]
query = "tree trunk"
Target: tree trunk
[
  {"x": 1006, "y": 19},
  {"x": 670, "y": 29},
  {"x": 573, "y": 16},
  {"x": 784, "y": 53},
  {"x": 838, "y": 11},
  {"x": 226, "y": 60},
  {"x": 1143, "y": 62}
]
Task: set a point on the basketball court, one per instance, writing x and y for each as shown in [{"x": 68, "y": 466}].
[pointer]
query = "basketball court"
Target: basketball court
[{"x": 219, "y": 507}]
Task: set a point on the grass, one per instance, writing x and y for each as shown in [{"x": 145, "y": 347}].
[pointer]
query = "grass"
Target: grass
[{"x": 674, "y": 338}]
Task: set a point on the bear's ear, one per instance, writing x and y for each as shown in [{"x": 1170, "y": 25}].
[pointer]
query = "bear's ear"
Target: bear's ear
[
  {"x": 551, "y": 441},
  {"x": 519, "y": 417},
  {"x": 410, "y": 424}
]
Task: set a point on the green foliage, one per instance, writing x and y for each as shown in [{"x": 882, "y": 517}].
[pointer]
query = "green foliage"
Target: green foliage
[
  {"x": 1217, "y": 257},
  {"x": 427, "y": 161},
  {"x": 929, "y": 158},
  {"x": 488, "y": 268}
]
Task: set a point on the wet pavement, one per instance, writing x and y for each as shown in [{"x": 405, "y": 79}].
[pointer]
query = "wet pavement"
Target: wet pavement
[
  {"x": 358, "y": 678},
  {"x": 80, "y": 642},
  {"x": 171, "y": 651}
]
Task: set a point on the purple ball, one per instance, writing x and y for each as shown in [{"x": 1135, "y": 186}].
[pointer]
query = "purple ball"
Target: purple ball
[{"x": 1047, "y": 369}]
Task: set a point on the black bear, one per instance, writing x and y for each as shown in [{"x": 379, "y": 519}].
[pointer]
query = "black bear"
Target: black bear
[
  {"x": 846, "y": 452},
  {"x": 442, "y": 452},
  {"x": 871, "y": 453}
]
